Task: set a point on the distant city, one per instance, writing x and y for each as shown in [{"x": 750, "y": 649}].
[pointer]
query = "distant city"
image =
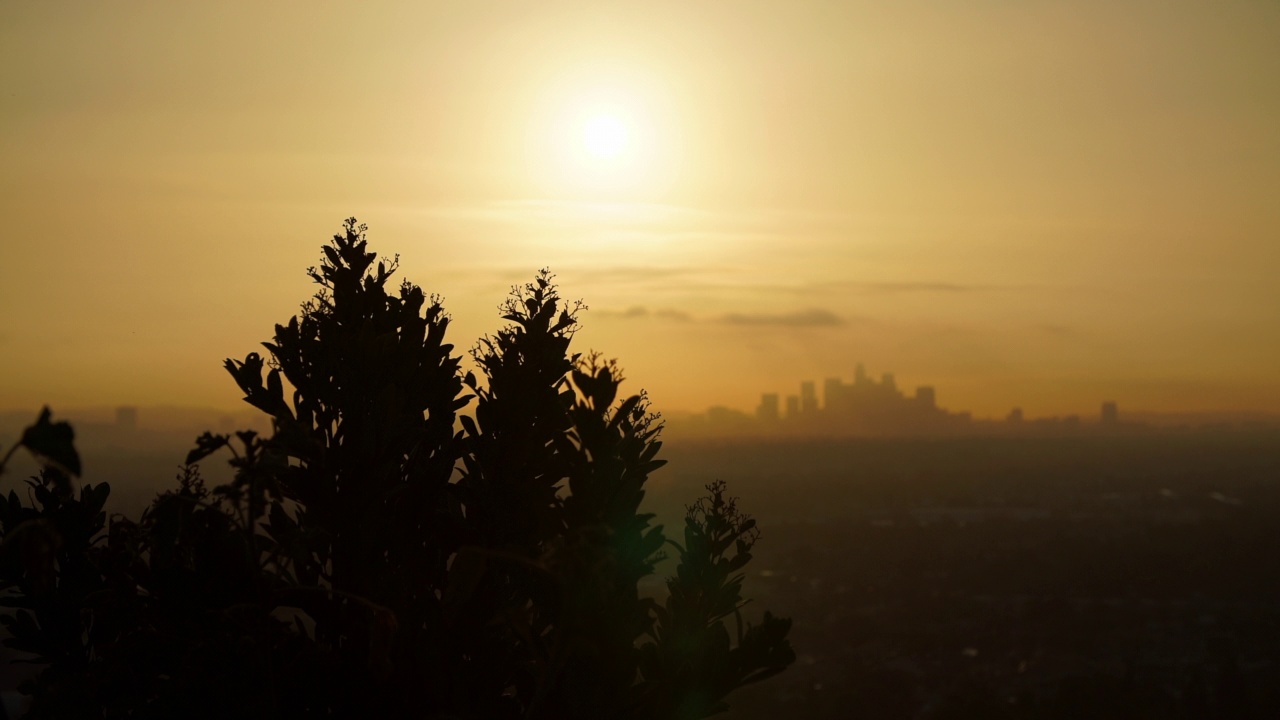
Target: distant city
[
  {"x": 867, "y": 406},
  {"x": 872, "y": 407}
]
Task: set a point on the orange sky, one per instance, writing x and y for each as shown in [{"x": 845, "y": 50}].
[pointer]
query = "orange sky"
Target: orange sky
[{"x": 1044, "y": 204}]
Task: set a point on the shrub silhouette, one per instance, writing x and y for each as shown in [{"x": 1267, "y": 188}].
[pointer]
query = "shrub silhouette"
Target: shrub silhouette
[{"x": 382, "y": 555}]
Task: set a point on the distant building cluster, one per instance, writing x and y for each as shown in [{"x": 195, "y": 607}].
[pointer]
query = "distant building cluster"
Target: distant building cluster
[
  {"x": 865, "y": 405},
  {"x": 869, "y": 406}
]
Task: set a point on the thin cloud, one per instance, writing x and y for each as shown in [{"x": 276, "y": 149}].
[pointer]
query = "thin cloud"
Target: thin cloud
[
  {"x": 853, "y": 287},
  {"x": 802, "y": 318},
  {"x": 565, "y": 213},
  {"x": 633, "y": 274},
  {"x": 638, "y": 312},
  {"x": 915, "y": 287},
  {"x": 673, "y": 315},
  {"x": 644, "y": 220},
  {"x": 816, "y": 317},
  {"x": 616, "y": 275},
  {"x": 631, "y": 313},
  {"x": 897, "y": 287}
]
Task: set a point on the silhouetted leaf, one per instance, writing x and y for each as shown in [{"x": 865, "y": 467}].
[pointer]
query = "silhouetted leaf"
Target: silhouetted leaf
[
  {"x": 53, "y": 443},
  {"x": 206, "y": 445},
  {"x": 469, "y": 425}
]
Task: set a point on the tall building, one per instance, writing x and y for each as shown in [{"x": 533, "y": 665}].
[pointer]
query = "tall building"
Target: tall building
[
  {"x": 1110, "y": 413},
  {"x": 860, "y": 375},
  {"x": 833, "y": 394},
  {"x": 926, "y": 397},
  {"x": 127, "y": 417},
  {"x": 793, "y": 406},
  {"x": 1015, "y": 416},
  {"x": 808, "y": 398},
  {"x": 768, "y": 410}
]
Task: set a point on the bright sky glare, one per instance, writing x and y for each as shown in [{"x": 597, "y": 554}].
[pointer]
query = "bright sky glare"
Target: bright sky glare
[
  {"x": 1032, "y": 203},
  {"x": 604, "y": 136}
]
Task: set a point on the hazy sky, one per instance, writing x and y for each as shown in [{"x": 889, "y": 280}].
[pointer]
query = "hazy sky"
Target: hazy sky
[{"x": 1044, "y": 204}]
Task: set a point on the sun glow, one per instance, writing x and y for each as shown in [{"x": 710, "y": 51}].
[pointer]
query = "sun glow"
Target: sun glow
[
  {"x": 604, "y": 136},
  {"x": 604, "y": 141},
  {"x": 600, "y": 139}
]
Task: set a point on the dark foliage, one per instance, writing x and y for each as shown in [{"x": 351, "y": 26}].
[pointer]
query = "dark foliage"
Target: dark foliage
[{"x": 382, "y": 555}]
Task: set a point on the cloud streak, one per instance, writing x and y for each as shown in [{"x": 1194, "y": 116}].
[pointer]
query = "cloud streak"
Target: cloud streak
[
  {"x": 891, "y": 287},
  {"x": 639, "y": 312},
  {"x": 802, "y": 318},
  {"x": 632, "y": 313},
  {"x": 814, "y": 317}
]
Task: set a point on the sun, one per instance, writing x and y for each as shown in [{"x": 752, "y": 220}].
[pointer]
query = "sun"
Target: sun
[
  {"x": 604, "y": 145},
  {"x": 605, "y": 136}
]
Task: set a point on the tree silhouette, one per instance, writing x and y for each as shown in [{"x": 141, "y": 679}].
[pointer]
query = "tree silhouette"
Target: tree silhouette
[{"x": 383, "y": 555}]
